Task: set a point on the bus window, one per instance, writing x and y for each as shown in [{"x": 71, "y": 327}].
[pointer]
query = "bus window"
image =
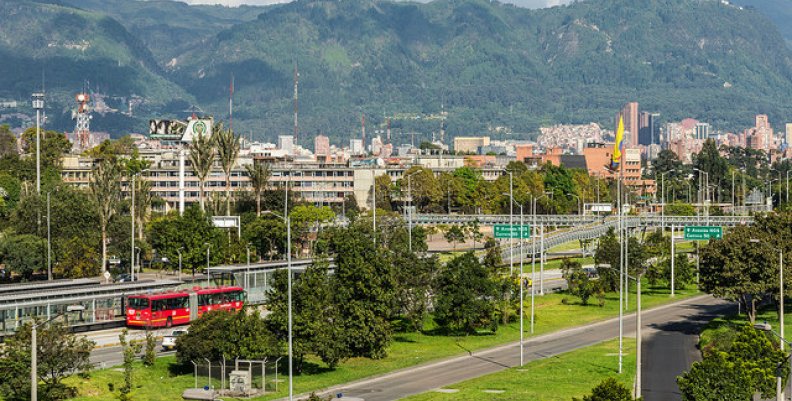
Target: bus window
[
  {"x": 138, "y": 303},
  {"x": 158, "y": 305}
]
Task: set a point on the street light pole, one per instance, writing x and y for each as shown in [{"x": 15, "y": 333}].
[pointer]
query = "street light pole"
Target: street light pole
[
  {"x": 132, "y": 233},
  {"x": 38, "y": 105},
  {"x": 49, "y": 241},
  {"x": 522, "y": 285},
  {"x": 180, "y": 261},
  {"x": 533, "y": 262}
]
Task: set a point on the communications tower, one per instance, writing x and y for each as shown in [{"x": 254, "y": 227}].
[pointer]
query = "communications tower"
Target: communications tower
[{"x": 82, "y": 116}]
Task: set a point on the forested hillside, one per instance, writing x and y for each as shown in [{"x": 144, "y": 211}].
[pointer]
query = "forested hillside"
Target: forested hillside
[{"x": 485, "y": 63}]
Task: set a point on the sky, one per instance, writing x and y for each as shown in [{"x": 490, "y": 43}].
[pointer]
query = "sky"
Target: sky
[{"x": 234, "y": 3}]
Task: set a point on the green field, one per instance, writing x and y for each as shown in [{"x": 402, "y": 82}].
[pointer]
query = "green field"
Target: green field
[
  {"x": 546, "y": 379},
  {"x": 164, "y": 381},
  {"x": 722, "y": 328}
]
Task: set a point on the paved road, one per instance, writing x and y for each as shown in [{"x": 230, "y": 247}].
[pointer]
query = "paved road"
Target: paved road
[
  {"x": 669, "y": 349},
  {"x": 445, "y": 373}
]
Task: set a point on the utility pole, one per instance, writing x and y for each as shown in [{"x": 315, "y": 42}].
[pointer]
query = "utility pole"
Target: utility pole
[
  {"x": 296, "y": 98},
  {"x": 132, "y": 214}
]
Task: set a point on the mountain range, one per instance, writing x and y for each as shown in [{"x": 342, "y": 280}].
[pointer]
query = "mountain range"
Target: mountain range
[{"x": 488, "y": 65}]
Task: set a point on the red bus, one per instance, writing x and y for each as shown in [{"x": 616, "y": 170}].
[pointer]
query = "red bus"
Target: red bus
[{"x": 180, "y": 307}]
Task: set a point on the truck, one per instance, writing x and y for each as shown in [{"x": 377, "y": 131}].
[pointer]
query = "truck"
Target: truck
[{"x": 169, "y": 341}]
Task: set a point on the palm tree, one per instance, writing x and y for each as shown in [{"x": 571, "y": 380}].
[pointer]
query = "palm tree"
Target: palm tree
[
  {"x": 227, "y": 151},
  {"x": 106, "y": 189},
  {"x": 202, "y": 155},
  {"x": 259, "y": 174}
]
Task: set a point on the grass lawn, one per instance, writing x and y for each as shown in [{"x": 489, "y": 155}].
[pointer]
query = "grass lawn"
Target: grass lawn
[
  {"x": 567, "y": 246},
  {"x": 547, "y": 379},
  {"x": 723, "y": 328},
  {"x": 407, "y": 349}
]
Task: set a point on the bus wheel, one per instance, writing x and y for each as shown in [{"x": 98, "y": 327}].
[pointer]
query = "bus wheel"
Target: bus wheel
[{"x": 169, "y": 322}]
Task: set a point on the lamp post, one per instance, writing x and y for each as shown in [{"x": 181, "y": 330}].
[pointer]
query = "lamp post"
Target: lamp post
[
  {"x": 38, "y": 105},
  {"x": 140, "y": 266},
  {"x": 208, "y": 275},
  {"x": 579, "y": 202},
  {"x": 409, "y": 211},
  {"x": 287, "y": 220},
  {"x": 522, "y": 252},
  {"x": 180, "y": 261},
  {"x": 34, "y": 349},
  {"x": 541, "y": 247},
  {"x": 766, "y": 327},
  {"x": 511, "y": 221},
  {"x": 49, "y": 241},
  {"x": 663, "y": 203}
]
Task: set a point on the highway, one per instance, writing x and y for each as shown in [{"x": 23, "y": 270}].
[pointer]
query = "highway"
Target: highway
[{"x": 445, "y": 373}]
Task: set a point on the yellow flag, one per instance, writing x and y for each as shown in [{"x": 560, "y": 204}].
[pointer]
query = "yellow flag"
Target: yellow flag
[{"x": 618, "y": 146}]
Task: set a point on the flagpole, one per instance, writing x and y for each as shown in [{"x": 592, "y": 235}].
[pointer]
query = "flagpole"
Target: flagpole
[{"x": 231, "y": 105}]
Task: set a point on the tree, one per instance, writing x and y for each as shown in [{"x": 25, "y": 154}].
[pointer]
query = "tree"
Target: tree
[
  {"x": 267, "y": 235},
  {"x": 384, "y": 188},
  {"x": 493, "y": 257},
  {"x": 191, "y": 232},
  {"x": 716, "y": 379},
  {"x": 228, "y": 334},
  {"x": 710, "y": 161},
  {"x": 578, "y": 281},
  {"x": 259, "y": 175},
  {"x": 227, "y": 151},
  {"x": 364, "y": 288},
  {"x": 739, "y": 269},
  {"x": 143, "y": 202},
  {"x": 129, "y": 350},
  {"x": 106, "y": 190},
  {"x": 77, "y": 260},
  {"x": 680, "y": 209},
  {"x": 314, "y": 315},
  {"x": 8, "y": 142},
  {"x": 23, "y": 254},
  {"x": 307, "y": 218},
  {"x": 60, "y": 355},
  {"x": 150, "y": 354},
  {"x": 202, "y": 157},
  {"x": 464, "y": 296},
  {"x": 760, "y": 358},
  {"x": 608, "y": 253},
  {"x": 53, "y": 146},
  {"x": 609, "y": 389},
  {"x": 455, "y": 235}
]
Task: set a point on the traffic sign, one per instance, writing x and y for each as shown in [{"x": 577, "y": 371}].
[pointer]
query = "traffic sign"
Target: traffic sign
[
  {"x": 512, "y": 231},
  {"x": 703, "y": 233}
]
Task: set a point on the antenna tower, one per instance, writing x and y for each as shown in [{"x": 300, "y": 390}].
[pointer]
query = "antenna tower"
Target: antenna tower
[{"x": 82, "y": 128}]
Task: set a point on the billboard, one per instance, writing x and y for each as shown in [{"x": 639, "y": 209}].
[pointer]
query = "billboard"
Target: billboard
[{"x": 197, "y": 127}]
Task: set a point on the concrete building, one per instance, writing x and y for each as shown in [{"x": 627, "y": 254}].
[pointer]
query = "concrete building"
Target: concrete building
[
  {"x": 631, "y": 123},
  {"x": 702, "y": 131},
  {"x": 598, "y": 158},
  {"x": 286, "y": 144},
  {"x": 788, "y": 136},
  {"x": 322, "y": 145},
  {"x": 647, "y": 131},
  {"x": 470, "y": 144}
]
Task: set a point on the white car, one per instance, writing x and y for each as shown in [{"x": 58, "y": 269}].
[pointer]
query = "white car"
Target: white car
[{"x": 169, "y": 341}]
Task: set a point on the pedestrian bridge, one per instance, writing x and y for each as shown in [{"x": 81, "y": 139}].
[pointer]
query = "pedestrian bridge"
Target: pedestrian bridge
[{"x": 566, "y": 220}]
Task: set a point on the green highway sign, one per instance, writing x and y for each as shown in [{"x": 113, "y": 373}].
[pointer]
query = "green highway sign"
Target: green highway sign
[
  {"x": 703, "y": 233},
  {"x": 512, "y": 231}
]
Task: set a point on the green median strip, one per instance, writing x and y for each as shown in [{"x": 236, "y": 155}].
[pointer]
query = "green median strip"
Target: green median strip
[
  {"x": 165, "y": 382},
  {"x": 559, "y": 377}
]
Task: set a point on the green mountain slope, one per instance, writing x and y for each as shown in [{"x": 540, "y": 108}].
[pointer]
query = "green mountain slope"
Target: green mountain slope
[
  {"x": 75, "y": 49},
  {"x": 491, "y": 64},
  {"x": 169, "y": 27},
  {"x": 779, "y": 11}
]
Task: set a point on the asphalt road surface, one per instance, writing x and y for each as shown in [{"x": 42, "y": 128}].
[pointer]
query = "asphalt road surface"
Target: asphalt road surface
[
  {"x": 669, "y": 349},
  {"x": 680, "y": 319}
]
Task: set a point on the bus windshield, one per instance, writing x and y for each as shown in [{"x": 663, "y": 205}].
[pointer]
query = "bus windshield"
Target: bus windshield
[{"x": 138, "y": 303}]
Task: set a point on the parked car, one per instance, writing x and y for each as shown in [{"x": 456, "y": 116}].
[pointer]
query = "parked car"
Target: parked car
[{"x": 169, "y": 341}]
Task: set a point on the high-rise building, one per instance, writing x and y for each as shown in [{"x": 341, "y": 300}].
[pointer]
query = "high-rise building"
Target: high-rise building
[
  {"x": 789, "y": 134},
  {"x": 702, "y": 131},
  {"x": 647, "y": 131},
  {"x": 631, "y": 122},
  {"x": 762, "y": 121},
  {"x": 321, "y": 145},
  {"x": 356, "y": 146}
]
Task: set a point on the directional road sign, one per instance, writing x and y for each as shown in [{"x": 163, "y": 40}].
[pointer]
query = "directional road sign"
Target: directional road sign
[
  {"x": 703, "y": 233},
  {"x": 512, "y": 231}
]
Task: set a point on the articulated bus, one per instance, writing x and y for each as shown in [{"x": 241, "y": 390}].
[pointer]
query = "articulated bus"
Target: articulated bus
[{"x": 181, "y": 307}]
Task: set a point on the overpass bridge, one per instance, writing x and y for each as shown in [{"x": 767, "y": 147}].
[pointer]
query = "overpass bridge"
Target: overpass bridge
[{"x": 566, "y": 220}]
